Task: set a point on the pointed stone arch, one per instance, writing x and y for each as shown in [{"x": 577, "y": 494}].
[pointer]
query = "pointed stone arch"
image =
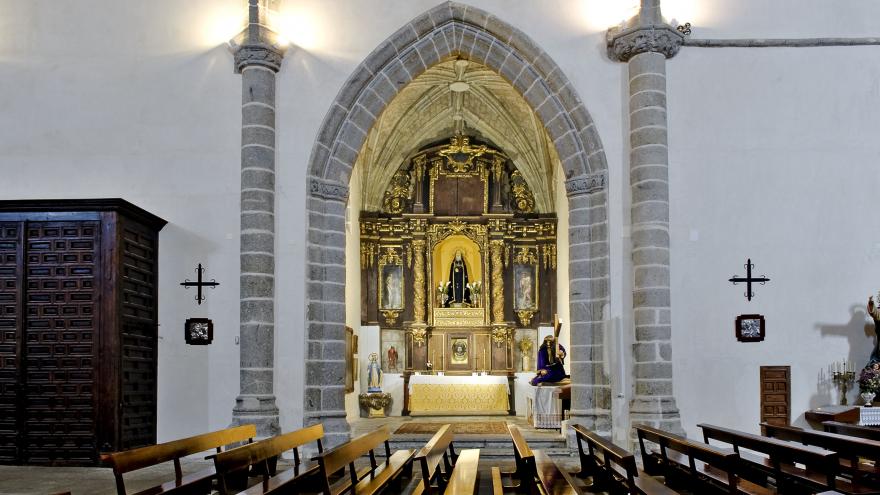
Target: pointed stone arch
[{"x": 455, "y": 30}]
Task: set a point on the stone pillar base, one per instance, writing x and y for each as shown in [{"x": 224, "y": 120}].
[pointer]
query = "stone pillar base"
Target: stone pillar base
[
  {"x": 597, "y": 420},
  {"x": 259, "y": 410},
  {"x": 659, "y": 412},
  {"x": 336, "y": 428}
]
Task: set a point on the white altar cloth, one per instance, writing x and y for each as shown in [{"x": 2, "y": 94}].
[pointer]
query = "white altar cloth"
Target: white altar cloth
[
  {"x": 869, "y": 416},
  {"x": 458, "y": 380},
  {"x": 544, "y": 407}
]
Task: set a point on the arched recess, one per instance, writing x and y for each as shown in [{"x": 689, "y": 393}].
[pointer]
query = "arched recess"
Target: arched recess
[{"x": 455, "y": 30}]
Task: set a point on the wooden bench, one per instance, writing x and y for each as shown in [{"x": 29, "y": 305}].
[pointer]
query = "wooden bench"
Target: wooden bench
[
  {"x": 613, "y": 468},
  {"x": 852, "y": 430},
  {"x": 862, "y": 477},
  {"x": 439, "y": 448},
  {"x": 465, "y": 477},
  {"x": 195, "y": 483},
  {"x": 375, "y": 478},
  {"x": 261, "y": 458},
  {"x": 535, "y": 471},
  {"x": 697, "y": 466},
  {"x": 782, "y": 462}
]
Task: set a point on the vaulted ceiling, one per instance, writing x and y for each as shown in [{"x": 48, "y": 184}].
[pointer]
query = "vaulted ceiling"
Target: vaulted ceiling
[{"x": 457, "y": 96}]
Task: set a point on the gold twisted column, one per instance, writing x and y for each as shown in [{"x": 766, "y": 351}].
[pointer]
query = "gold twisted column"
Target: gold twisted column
[
  {"x": 418, "y": 281},
  {"x": 497, "y": 249}
]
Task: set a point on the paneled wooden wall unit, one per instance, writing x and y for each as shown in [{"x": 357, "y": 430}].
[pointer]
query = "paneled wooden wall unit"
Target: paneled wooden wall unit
[{"x": 78, "y": 329}]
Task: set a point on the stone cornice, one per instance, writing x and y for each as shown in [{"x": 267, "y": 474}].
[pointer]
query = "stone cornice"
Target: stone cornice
[
  {"x": 586, "y": 184},
  {"x": 625, "y": 43},
  {"x": 326, "y": 189}
]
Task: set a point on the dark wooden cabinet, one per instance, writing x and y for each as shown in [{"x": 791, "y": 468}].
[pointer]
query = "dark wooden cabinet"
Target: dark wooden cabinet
[
  {"x": 78, "y": 329},
  {"x": 776, "y": 395}
]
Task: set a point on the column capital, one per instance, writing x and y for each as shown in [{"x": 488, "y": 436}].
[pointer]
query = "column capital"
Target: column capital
[
  {"x": 257, "y": 44},
  {"x": 626, "y": 42}
]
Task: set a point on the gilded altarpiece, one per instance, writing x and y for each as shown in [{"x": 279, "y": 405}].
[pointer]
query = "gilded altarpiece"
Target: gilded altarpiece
[{"x": 458, "y": 264}]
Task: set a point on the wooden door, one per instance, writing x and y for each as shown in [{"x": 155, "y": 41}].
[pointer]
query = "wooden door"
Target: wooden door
[
  {"x": 10, "y": 339},
  {"x": 776, "y": 395},
  {"x": 58, "y": 372}
]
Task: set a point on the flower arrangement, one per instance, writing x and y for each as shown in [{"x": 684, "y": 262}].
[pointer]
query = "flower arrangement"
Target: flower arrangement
[
  {"x": 441, "y": 292},
  {"x": 869, "y": 378},
  {"x": 476, "y": 288}
]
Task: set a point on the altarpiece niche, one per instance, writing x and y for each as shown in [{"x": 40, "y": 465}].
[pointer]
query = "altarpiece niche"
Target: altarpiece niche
[{"x": 457, "y": 264}]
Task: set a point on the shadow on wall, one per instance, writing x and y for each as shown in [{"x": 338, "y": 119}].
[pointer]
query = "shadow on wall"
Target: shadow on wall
[{"x": 857, "y": 331}]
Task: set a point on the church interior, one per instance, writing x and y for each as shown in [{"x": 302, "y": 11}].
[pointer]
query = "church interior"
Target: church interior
[{"x": 413, "y": 246}]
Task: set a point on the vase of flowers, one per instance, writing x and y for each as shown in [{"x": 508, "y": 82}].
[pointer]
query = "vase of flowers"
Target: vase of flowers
[{"x": 869, "y": 383}]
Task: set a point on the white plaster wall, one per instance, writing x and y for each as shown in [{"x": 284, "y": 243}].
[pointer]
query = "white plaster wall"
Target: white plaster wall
[
  {"x": 773, "y": 156},
  {"x": 138, "y": 100}
]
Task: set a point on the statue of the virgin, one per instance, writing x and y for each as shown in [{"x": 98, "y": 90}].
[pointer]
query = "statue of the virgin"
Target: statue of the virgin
[{"x": 374, "y": 374}]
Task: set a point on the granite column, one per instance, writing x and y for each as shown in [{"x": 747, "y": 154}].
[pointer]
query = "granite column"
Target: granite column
[
  {"x": 645, "y": 43},
  {"x": 258, "y": 58}
]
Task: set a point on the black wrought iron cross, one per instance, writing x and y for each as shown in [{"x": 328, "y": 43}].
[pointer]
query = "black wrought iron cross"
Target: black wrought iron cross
[
  {"x": 199, "y": 284},
  {"x": 749, "y": 279}
]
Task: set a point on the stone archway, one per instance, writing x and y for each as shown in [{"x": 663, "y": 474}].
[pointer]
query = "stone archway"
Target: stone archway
[{"x": 449, "y": 30}]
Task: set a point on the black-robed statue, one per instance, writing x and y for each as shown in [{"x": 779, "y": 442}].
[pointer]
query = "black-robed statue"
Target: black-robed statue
[{"x": 457, "y": 292}]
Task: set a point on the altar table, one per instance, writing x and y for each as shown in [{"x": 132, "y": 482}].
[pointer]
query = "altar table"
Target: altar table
[{"x": 462, "y": 395}]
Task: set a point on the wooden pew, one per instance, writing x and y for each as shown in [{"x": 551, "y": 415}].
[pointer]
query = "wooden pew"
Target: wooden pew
[
  {"x": 535, "y": 471},
  {"x": 439, "y": 448},
  {"x": 262, "y": 456},
  {"x": 380, "y": 476},
  {"x": 613, "y": 468},
  {"x": 863, "y": 477},
  {"x": 465, "y": 478},
  {"x": 195, "y": 483},
  {"x": 700, "y": 467},
  {"x": 852, "y": 430},
  {"x": 782, "y": 460}
]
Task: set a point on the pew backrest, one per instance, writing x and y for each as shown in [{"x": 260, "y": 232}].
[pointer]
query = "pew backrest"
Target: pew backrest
[
  {"x": 779, "y": 451},
  {"x": 343, "y": 456},
  {"x": 135, "y": 459},
  {"x": 132, "y": 460},
  {"x": 433, "y": 452},
  {"x": 724, "y": 460},
  {"x": 847, "y": 447},
  {"x": 259, "y": 453},
  {"x": 852, "y": 430},
  {"x": 605, "y": 455}
]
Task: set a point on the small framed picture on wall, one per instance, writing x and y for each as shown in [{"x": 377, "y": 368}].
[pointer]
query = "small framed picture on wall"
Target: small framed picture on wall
[{"x": 750, "y": 328}]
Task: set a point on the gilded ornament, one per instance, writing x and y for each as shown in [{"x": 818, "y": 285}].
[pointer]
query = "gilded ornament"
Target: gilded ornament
[
  {"x": 497, "y": 281},
  {"x": 460, "y": 154},
  {"x": 418, "y": 247},
  {"x": 523, "y": 201},
  {"x": 397, "y": 195},
  {"x": 419, "y": 336},
  {"x": 500, "y": 335},
  {"x": 525, "y": 316},
  {"x": 525, "y": 255},
  {"x": 390, "y": 315}
]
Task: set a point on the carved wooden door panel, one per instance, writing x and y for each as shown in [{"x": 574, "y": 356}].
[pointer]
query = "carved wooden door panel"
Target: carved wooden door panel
[
  {"x": 61, "y": 271},
  {"x": 10, "y": 316},
  {"x": 776, "y": 395}
]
